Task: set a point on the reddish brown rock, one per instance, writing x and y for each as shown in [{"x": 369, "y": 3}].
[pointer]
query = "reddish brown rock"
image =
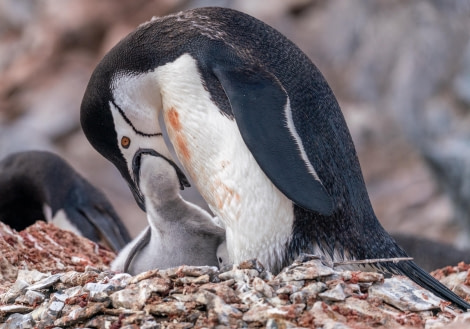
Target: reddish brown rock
[{"x": 46, "y": 248}]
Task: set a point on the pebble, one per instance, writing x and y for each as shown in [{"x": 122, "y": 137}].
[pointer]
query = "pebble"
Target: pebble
[
  {"x": 15, "y": 309},
  {"x": 304, "y": 295},
  {"x": 14, "y": 292},
  {"x": 46, "y": 282},
  {"x": 99, "y": 292},
  {"x": 335, "y": 294},
  {"x": 306, "y": 272},
  {"x": 405, "y": 295},
  {"x": 31, "y": 297},
  {"x": 32, "y": 276}
]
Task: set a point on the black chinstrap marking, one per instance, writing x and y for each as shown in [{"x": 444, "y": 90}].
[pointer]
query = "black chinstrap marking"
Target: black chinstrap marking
[{"x": 129, "y": 122}]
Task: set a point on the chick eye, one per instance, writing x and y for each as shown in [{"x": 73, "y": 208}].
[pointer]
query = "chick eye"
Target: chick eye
[{"x": 125, "y": 142}]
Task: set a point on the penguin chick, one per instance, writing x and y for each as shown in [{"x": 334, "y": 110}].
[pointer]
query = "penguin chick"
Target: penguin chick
[
  {"x": 222, "y": 255},
  {"x": 39, "y": 185},
  {"x": 179, "y": 233}
]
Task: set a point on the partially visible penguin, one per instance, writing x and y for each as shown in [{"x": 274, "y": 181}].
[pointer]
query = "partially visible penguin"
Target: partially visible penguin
[
  {"x": 257, "y": 128},
  {"x": 39, "y": 185},
  {"x": 179, "y": 232}
]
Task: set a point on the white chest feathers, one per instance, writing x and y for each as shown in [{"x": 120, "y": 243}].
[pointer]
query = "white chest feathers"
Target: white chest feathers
[{"x": 258, "y": 218}]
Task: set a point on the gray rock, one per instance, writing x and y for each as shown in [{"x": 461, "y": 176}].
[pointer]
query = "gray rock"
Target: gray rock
[
  {"x": 80, "y": 314},
  {"x": 405, "y": 295},
  {"x": 135, "y": 296},
  {"x": 32, "y": 276},
  {"x": 313, "y": 289},
  {"x": 31, "y": 297},
  {"x": 186, "y": 270},
  {"x": 18, "y": 321},
  {"x": 244, "y": 275},
  {"x": 120, "y": 280},
  {"x": 311, "y": 270},
  {"x": 15, "y": 309},
  {"x": 74, "y": 278},
  {"x": 193, "y": 280},
  {"x": 46, "y": 282},
  {"x": 263, "y": 288},
  {"x": 14, "y": 292},
  {"x": 55, "y": 308},
  {"x": 99, "y": 292},
  {"x": 335, "y": 294}
]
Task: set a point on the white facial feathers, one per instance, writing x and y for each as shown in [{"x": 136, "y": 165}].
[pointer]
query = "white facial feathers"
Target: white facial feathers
[
  {"x": 135, "y": 110},
  {"x": 139, "y": 97}
]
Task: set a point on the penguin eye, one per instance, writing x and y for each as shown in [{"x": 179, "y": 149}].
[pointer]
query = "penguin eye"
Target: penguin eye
[{"x": 125, "y": 142}]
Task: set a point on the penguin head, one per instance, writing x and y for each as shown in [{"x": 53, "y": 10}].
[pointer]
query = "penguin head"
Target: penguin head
[
  {"x": 120, "y": 114},
  {"x": 159, "y": 177}
]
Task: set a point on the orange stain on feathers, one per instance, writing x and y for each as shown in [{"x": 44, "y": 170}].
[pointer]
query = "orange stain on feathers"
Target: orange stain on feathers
[
  {"x": 182, "y": 147},
  {"x": 223, "y": 194},
  {"x": 180, "y": 143},
  {"x": 173, "y": 119}
]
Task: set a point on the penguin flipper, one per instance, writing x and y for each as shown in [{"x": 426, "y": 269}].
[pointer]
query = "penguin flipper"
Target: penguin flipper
[
  {"x": 262, "y": 112},
  {"x": 102, "y": 223},
  {"x": 141, "y": 243}
]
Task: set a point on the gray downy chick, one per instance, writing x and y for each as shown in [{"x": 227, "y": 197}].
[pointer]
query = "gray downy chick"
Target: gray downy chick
[{"x": 179, "y": 232}]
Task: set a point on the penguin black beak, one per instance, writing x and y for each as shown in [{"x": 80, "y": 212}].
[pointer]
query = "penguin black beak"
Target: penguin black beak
[{"x": 135, "y": 185}]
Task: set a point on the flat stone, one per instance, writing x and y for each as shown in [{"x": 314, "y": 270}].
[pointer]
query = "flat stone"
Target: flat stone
[
  {"x": 99, "y": 292},
  {"x": 56, "y": 307},
  {"x": 120, "y": 280},
  {"x": 314, "y": 288},
  {"x": 31, "y": 297},
  {"x": 70, "y": 292},
  {"x": 32, "y": 276},
  {"x": 7, "y": 309},
  {"x": 324, "y": 317},
  {"x": 226, "y": 314},
  {"x": 357, "y": 276},
  {"x": 262, "y": 287},
  {"x": 239, "y": 275},
  {"x": 46, "y": 282},
  {"x": 37, "y": 313},
  {"x": 167, "y": 308},
  {"x": 145, "y": 275},
  {"x": 405, "y": 295},
  {"x": 18, "y": 321},
  {"x": 223, "y": 291},
  {"x": 335, "y": 294},
  {"x": 311, "y": 270},
  {"x": 261, "y": 313},
  {"x": 73, "y": 278},
  {"x": 291, "y": 287},
  {"x": 15, "y": 290},
  {"x": 80, "y": 314},
  {"x": 363, "y": 309},
  {"x": 135, "y": 296},
  {"x": 193, "y": 280},
  {"x": 187, "y": 270}
]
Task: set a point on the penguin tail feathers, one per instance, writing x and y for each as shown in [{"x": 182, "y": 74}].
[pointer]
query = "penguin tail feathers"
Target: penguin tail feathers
[{"x": 425, "y": 280}]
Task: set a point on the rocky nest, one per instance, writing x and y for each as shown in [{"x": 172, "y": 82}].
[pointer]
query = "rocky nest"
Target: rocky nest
[{"x": 52, "y": 278}]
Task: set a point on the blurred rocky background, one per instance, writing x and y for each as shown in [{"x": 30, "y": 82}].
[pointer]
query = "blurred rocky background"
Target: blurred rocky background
[{"x": 400, "y": 70}]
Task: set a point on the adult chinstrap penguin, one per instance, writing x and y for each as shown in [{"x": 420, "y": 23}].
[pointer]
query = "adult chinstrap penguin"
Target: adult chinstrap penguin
[
  {"x": 39, "y": 185},
  {"x": 256, "y": 127},
  {"x": 179, "y": 233}
]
